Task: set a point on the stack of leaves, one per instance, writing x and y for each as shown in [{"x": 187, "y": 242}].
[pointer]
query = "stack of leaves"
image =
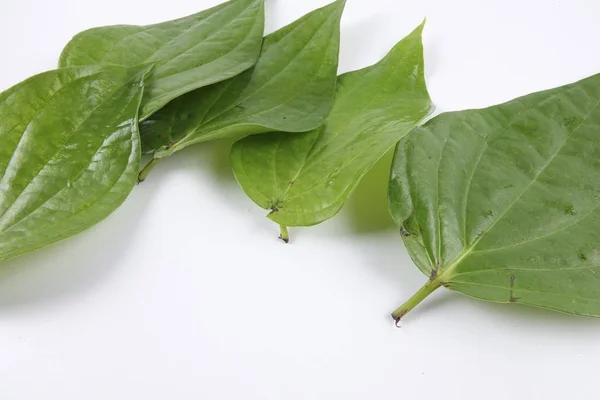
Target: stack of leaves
[
  {"x": 499, "y": 204},
  {"x": 305, "y": 179},
  {"x": 71, "y": 149}
]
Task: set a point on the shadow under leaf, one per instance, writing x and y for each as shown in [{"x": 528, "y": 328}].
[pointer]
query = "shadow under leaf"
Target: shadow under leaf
[
  {"x": 76, "y": 264},
  {"x": 367, "y": 208}
]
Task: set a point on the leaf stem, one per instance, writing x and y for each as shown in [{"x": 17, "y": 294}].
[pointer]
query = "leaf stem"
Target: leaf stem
[
  {"x": 430, "y": 287},
  {"x": 149, "y": 167},
  {"x": 284, "y": 235}
]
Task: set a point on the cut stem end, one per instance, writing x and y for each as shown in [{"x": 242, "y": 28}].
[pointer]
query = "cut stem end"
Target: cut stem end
[
  {"x": 146, "y": 170},
  {"x": 284, "y": 235},
  {"x": 430, "y": 287}
]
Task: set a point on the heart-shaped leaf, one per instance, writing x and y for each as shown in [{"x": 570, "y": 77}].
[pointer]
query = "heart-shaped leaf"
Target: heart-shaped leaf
[
  {"x": 291, "y": 89},
  {"x": 502, "y": 204},
  {"x": 189, "y": 53},
  {"x": 70, "y": 153},
  {"x": 306, "y": 178}
]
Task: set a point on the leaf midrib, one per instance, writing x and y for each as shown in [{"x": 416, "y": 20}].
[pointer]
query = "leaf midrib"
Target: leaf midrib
[
  {"x": 342, "y": 128},
  {"x": 35, "y": 114},
  {"x": 83, "y": 209},
  {"x": 174, "y": 58},
  {"x": 564, "y": 228},
  {"x": 448, "y": 271},
  {"x": 233, "y": 104},
  {"x": 109, "y": 97},
  {"x": 145, "y": 29},
  {"x": 11, "y": 226}
]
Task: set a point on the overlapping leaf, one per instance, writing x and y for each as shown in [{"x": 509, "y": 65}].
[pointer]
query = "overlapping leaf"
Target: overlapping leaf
[
  {"x": 291, "y": 89},
  {"x": 306, "y": 178},
  {"x": 70, "y": 153},
  {"x": 503, "y": 204},
  {"x": 189, "y": 53}
]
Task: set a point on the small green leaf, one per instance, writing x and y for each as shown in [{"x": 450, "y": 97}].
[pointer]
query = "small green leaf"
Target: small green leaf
[
  {"x": 70, "y": 153},
  {"x": 306, "y": 178},
  {"x": 291, "y": 89},
  {"x": 189, "y": 53},
  {"x": 502, "y": 204}
]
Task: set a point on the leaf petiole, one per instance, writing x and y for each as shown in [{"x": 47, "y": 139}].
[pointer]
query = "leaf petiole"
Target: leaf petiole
[
  {"x": 284, "y": 235},
  {"x": 146, "y": 170},
  {"x": 430, "y": 287}
]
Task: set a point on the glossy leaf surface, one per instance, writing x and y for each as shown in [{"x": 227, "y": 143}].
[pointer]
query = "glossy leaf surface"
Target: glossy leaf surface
[
  {"x": 502, "y": 203},
  {"x": 69, "y": 153},
  {"x": 291, "y": 89},
  {"x": 189, "y": 53},
  {"x": 306, "y": 178}
]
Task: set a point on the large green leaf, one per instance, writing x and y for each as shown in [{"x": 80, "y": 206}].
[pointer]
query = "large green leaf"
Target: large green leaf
[
  {"x": 69, "y": 153},
  {"x": 502, "y": 204},
  {"x": 189, "y": 53},
  {"x": 306, "y": 178},
  {"x": 291, "y": 89}
]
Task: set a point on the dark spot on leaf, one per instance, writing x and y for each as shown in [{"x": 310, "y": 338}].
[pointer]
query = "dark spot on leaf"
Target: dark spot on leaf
[
  {"x": 240, "y": 107},
  {"x": 512, "y": 298},
  {"x": 570, "y": 210},
  {"x": 434, "y": 272},
  {"x": 404, "y": 232},
  {"x": 488, "y": 214},
  {"x": 582, "y": 257},
  {"x": 292, "y": 182},
  {"x": 572, "y": 122}
]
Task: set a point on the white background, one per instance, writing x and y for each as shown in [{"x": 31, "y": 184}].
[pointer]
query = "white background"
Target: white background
[{"x": 186, "y": 293}]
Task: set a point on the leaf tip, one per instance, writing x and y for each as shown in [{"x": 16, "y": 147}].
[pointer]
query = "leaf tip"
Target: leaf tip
[
  {"x": 339, "y": 5},
  {"x": 420, "y": 27}
]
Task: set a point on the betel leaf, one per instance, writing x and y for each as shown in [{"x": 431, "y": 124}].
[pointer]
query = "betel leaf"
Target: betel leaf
[
  {"x": 69, "y": 153},
  {"x": 291, "y": 89},
  {"x": 502, "y": 204},
  {"x": 306, "y": 178},
  {"x": 189, "y": 53}
]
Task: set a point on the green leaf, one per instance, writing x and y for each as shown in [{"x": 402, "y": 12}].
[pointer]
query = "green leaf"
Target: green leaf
[
  {"x": 306, "y": 178},
  {"x": 70, "y": 153},
  {"x": 189, "y": 53},
  {"x": 502, "y": 204},
  {"x": 291, "y": 89}
]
